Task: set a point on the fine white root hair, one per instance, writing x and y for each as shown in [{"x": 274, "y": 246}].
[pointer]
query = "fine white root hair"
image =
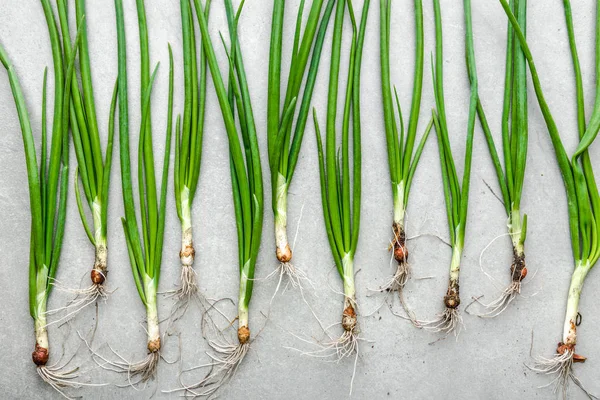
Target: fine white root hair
[
  {"x": 60, "y": 381},
  {"x": 83, "y": 299},
  {"x": 335, "y": 350},
  {"x": 223, "y": 365},
  {"x": 295, "y": 277},
  {"x": 188, "y": 283},
  {"x": 396, "y": 284},
  {"x": 225, "y": 356},
  {"x": 560, "y": 365},
  {"x": 450, "y": 321},
  {"x": 184, "y": 295},
  {"x": 501, "y": 303},
  {"x": 137, "y": 372}
]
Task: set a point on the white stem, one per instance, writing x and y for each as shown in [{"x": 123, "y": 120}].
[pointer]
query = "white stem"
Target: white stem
[
  {"x": 514, "y": 230},
  {"x": 186, "y": 208},
  {"x": 281, "y": 239},
  {"x": 348, "y": 265},
  {"x": 399, "y": 206},
  {"x": 242, "y": 307},
  {"x": 151, "y": 310},
  {"x": 99, "y": 239},
  {"x": 577, "y": 279},
  {"x": 41, "y": 333},
  {"x": 187, "y": 244},
  {"x": 455, "y": 263},
  {"x": 242, "y": 316},
  {"x": 101, "y": 256}
]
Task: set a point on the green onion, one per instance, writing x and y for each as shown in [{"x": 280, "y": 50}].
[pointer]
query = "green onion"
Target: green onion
[
  {"x": 48, "y": 186},
  {"x": 247, "y": 188},
  {"x": 402, "y": 156},
  {"x": 341, "y": 193},
  {"x": 188, "y": 150},
  {"x": 582, "y": 197},
  {"x": 514, "y": 146},
  {"x": 145, "y": 249},
  {"x": 93, "y": 169},
  {"x": 284, "y": 145},
  {"x": 456, "y": 195}
]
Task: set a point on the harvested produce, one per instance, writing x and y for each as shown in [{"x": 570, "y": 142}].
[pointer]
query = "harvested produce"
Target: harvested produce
[
  {"x": 247, "y": 188},
  {"x": 188, "y": 153},
  {"x": 403, "y": 158},
  {"x": 284, "y": 145},
  {"x": 582, "y": 197},
  {"x": 341, "y": 182},
  {"x": 456, "y": 195},
  {"x": 48, "y": 187},
  {"x": 514, "y": 150},
  {"x": 145, "y": 248},
  {"x": 92, "y": 168}
]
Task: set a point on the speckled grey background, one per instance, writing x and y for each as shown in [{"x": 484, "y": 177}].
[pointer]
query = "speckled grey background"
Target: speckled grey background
[{"x": 486, "y": 362}]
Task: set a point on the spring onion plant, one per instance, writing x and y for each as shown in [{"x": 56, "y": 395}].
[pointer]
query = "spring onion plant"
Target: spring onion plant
[
  {"x": 247, "y": 188},
  {"x": 456, "y": 195},
  {"x": 284, "y": 145},
  {"x": 402, "y": 156},
  {"x": 582, "y": 197},
  {"x": 145, "y": 248},
  {"x": 48, "y": 184},
  {"x": 92, "y": 168},
  {"x": 341, "y": 183},
  {"x": 514, "y": 149},
  {"x": 188, "y": 151}
]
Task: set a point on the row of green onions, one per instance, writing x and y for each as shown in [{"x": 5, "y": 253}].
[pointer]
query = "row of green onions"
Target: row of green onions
[{"x": 340, "y": 168}]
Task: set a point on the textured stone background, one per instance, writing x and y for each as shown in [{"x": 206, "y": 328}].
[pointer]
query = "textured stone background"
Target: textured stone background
[{"x": 487, "y": 360}]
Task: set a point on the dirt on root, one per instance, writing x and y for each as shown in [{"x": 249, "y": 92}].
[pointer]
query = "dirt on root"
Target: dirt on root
[
  {"x": 399, "y": 244},
  {"x": 40, "y": 355},
  {"x": 518, "y": 269},
  {"x": 154, "y": 345},
  {"x": 188, "y": 251},
  {"x": 452, "y": 297},
  {"x": 243, "y": 334},
  {"x": 349, "y": 318}
]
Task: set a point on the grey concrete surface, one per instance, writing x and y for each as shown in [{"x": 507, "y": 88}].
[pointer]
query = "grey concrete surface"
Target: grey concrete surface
[{"x": 398, "y": 361}]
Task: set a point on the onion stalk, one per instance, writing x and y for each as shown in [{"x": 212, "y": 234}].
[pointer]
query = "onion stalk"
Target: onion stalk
[
  {"x": 48, "y": 188},
  {"x": 514, "y": 149},
  {"x": 92, "y": 168},
  {"x": 583, "y": 198},
  {"x": 188, "y": 151},
  {"x": 403, "y": 158},
  {"x": 455, "y": 194},
  {"x": 145, "y": 248},
  {"x": 247, "y": 188},
  {"x": 341, "y": 183},
  {"x": 284, "y": 145}
]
